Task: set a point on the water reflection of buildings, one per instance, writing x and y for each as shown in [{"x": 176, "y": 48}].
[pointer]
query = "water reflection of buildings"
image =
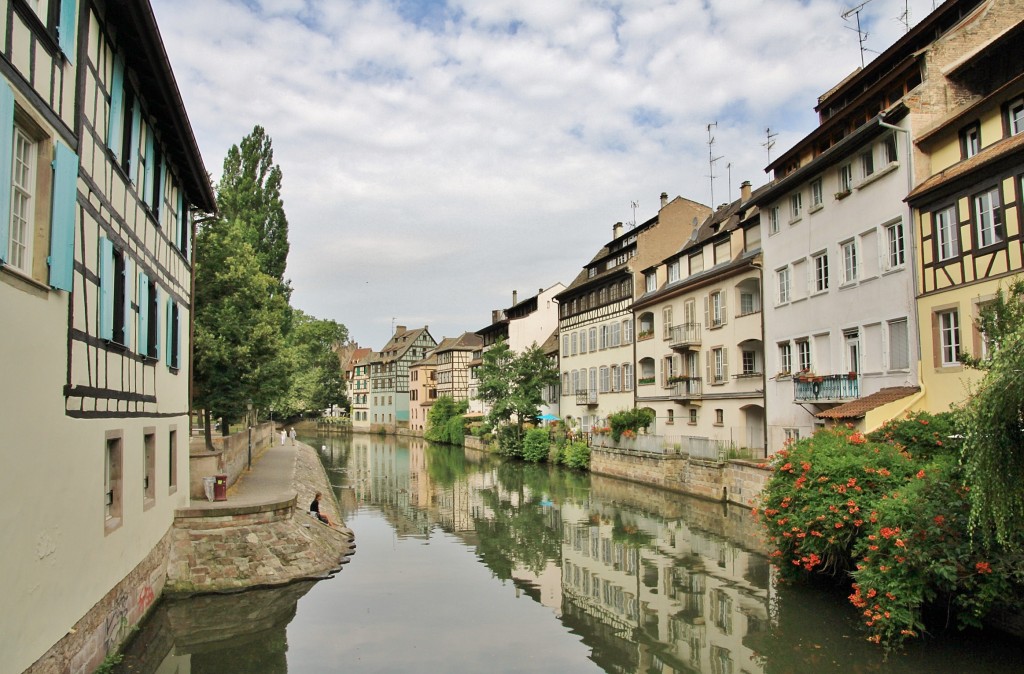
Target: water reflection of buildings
[
  {"x": 667, "y": 596},
  {"x": 647, "y": 592}
]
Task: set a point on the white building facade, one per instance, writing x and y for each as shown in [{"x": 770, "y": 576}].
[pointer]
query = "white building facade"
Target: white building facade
[{"x": 100, "y": 176}]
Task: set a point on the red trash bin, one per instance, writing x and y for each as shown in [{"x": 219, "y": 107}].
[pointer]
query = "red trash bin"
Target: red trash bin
[{"x": 220, "y": 487}]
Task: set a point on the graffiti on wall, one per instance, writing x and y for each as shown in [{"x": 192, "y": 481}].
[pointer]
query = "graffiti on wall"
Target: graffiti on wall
[{"x": 115, "y": 627}]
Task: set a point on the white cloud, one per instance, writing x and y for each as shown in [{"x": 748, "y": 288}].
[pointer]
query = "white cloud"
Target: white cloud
[{"x": 431, "y": 166}]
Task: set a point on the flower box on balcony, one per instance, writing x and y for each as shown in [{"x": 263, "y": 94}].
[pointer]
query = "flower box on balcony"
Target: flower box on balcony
[
  {"x": 644, "y": 334},
  {"x": 643, "y": 381}
]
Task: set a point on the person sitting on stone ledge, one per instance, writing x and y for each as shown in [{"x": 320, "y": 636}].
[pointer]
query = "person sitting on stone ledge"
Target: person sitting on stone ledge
[{"x": 314, "y": 509}]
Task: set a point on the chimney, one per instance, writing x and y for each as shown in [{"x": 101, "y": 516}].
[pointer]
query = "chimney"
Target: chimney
[
  {"x": 399, "y": 329},
  {"x": 745, "y": 191},
  {"x": 664, "y": 199},
  {"x": 616, "y": 230},
  {"x": 515, "y": 297}
]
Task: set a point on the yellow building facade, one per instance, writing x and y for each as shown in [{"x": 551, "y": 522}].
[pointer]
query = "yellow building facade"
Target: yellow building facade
[{"x": 969, "y": 159}]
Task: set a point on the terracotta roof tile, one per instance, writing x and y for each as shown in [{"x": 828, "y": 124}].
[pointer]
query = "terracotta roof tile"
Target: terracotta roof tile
[{"x": 855, "y": 409}]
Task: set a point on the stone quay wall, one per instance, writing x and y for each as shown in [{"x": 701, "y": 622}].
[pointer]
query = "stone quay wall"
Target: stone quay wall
[
  {"x": 109, "y": 622},
  {"x": 735, "y": 481},
  {"x": 273, "y": 543},
  {"x": 230, "y": 456}
]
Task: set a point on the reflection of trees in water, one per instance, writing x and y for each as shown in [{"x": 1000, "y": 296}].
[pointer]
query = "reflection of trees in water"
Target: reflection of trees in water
[
  {"x": 241, "y": 632},
  {"x": 446, "y": 464},
  {"x": 522, "y": 533}
]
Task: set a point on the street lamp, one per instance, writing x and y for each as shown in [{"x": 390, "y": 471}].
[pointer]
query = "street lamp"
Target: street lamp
[{"x": 248, "y": 420}]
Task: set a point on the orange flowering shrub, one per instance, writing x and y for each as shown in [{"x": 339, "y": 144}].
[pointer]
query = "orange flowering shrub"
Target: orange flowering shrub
[{"x": 890, "y": 511}]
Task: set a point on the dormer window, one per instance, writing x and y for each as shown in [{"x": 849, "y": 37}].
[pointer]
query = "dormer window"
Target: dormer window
[{"x": 970, "y": 141}]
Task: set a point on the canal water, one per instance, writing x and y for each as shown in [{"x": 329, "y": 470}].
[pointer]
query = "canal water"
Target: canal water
[{"x": 467, "y": 563}]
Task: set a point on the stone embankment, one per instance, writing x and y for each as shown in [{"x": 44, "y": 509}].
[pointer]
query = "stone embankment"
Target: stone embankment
[{"x": 263, "y": 534}]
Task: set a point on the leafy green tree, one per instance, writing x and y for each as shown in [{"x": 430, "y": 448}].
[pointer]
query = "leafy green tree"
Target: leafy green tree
[
  {"x": 317, "y": 381},
  {"x": 238, "y": 341},
  {"x": 250, "y": 192},
  {"x": 445, "y": 421},
  {"x": 536, "y": 445},
  {"x": 513, "y": 384},
  {"x": 993, "y": 422}
]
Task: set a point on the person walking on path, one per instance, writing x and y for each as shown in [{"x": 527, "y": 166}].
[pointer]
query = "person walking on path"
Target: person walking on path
[
  {"x": 284, "y": 434},
  {"x": 293, "y": 435}
]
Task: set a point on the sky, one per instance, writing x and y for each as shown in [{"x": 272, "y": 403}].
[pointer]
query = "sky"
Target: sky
[{"x": 439, "y": 154}]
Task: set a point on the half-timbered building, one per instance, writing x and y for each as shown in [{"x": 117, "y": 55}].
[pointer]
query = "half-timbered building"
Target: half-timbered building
[
  {"x": 967, "y": 205},
  {"x": 453, "y": 357},
  {"x": 389, "y": 376},
  {"x": 99, "y": 177}
]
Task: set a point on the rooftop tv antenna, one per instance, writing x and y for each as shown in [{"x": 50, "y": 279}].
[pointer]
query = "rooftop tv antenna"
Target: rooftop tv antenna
[
  {"x": 904, "y": 18},
  {"x": 728, "y": 181},
  {"x": 711, "y": 161},
  {"x": 770, "y": 142},
  {"x": 634, "y": 205},
  {"x": 862, "y": 35}
]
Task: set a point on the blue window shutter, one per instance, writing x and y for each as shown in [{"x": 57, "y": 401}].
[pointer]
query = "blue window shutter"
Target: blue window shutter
[
  {"x": 184, "y": 233},
  {"x": 143, "y": 314},
  {"x": 159, "y": 206},
  {"x": 169, "y": 350},
  {"x": 105, "y": 305},
  {"x": 177, "y": 336},
  {"x": 150, "y": 170},
  {"x": 159, "y": 341},
  {"x": 6, "y": 157},
  {"x": 133, "y": 151},
  {"x": 129, "y": 286},
  {"x": 66, "y": 29},
  {"x": 62, "y": 218},
  {"x": 115, "y": 124}
]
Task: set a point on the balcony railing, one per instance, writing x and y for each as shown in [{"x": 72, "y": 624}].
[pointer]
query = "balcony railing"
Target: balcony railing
[
  {"x": 826, "y": 388},
  {"x": 685, "y": 336},
  {"x": 688, "y": 388},
  {"x": 585, "y": 397}
]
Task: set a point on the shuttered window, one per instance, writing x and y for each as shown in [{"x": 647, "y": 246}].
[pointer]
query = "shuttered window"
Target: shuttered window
[
  {"x": 66, "y": 29},
  {"x": 62, "y": 222},
  {"x": 899, "y": 345}
]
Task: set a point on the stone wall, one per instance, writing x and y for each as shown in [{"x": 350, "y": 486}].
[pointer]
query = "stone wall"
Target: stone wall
[
  {"x": 104, "y": 628},
  {"x": 272, "y": 543},
  {"x": 230, "y": 456},
  {"x": 734, "y": 481},
  {"x": 734, "y": 523}
]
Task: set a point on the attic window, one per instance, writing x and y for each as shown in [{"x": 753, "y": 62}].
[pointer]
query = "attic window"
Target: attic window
[{"x": 714, "y": 227}]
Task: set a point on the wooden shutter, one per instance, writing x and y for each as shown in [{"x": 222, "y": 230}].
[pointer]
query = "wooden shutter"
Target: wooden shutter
[
  {"x": 129, "y": 286},
  {"x": 707, "y": 314},
  {"x": 150, "y": 170},
  {"x": 725, "y": 364},
  {"x": 62, "y": 218},
  {"x": 66, "y": 29},
  {"x": 724, "y": 311},
  {"x": 133, "y": 151},
  {"x": 159, "y": 341},
  {"x": 169, "y": 325},
  {"x": 143, "y": 314},
  {"x": 105, "y": 305},
  {"x": 116, "y": 121},
  {"x": 185, "y": 235},
  {"x": 6, "y": 159},
  {"x": 708, "y": 357}
]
